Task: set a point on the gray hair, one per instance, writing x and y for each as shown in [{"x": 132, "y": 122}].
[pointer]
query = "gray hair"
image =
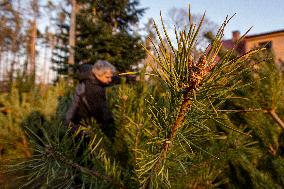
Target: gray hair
[{"x": 101, "y": 67}]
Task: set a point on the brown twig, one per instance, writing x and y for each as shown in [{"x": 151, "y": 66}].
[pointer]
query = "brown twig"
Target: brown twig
[
  {"x": 25, "y": 144},
  {"x": 270, "y": 112},
  {"x": 185, "y": 106},
  {"x": 247, "y": 110},
  {"x": 276, "y": 118}
]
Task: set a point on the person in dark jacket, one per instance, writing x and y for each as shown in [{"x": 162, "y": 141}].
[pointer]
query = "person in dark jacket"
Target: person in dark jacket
[{"x": 90, "y": 97}]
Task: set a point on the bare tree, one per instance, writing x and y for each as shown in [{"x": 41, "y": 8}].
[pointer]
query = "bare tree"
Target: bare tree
[{"x": 180, "y": 18}]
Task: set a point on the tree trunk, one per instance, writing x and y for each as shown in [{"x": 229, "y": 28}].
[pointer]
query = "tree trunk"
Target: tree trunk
[
  {"x": 14, "y": 54},
  {"x": 32, "y": 67},
  {"x": 44, "y": 65},
  {"x": 72, "y": 36},
  {"x": 1, "y": 65}
]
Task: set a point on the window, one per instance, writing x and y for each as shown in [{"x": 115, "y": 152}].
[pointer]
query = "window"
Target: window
[{"x": 266, "y": 44}]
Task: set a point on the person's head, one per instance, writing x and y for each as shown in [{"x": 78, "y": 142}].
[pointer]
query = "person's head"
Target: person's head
[{"x": 103, "y": 71}]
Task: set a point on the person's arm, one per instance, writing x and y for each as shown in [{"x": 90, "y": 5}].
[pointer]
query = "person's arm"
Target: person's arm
[{"x": 117, "y": 79}]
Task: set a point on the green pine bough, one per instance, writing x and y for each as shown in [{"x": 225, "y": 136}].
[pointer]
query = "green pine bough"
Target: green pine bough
[{"x": 207, "y": 77}]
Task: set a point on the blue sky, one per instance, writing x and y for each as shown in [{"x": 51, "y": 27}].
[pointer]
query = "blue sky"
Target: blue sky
[{"x": 262, "y": 15}]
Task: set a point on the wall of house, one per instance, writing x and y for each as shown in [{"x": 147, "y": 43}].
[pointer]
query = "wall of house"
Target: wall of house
[{"x": 277, "y": 40}]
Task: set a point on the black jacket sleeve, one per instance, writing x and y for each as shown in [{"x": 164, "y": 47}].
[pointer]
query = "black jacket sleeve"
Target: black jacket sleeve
[{"x": 118, "y": 79}]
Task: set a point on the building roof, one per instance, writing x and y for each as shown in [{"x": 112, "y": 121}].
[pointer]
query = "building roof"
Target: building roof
[
  {"x": 240, "y": 47},
  {"x": 264, "y": 34}
]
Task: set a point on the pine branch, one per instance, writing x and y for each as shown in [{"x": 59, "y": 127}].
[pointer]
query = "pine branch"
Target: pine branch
[
  {"x": 186, "y": 79},
  {"x": 57, "y": 156},
  {"x": 198, "y": 72}
]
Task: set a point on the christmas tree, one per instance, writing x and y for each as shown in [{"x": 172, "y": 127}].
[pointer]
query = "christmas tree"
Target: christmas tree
[{"x": 104, "y": 31}]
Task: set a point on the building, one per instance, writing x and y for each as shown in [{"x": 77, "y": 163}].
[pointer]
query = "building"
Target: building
[{"x": 273, "y": 41}]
